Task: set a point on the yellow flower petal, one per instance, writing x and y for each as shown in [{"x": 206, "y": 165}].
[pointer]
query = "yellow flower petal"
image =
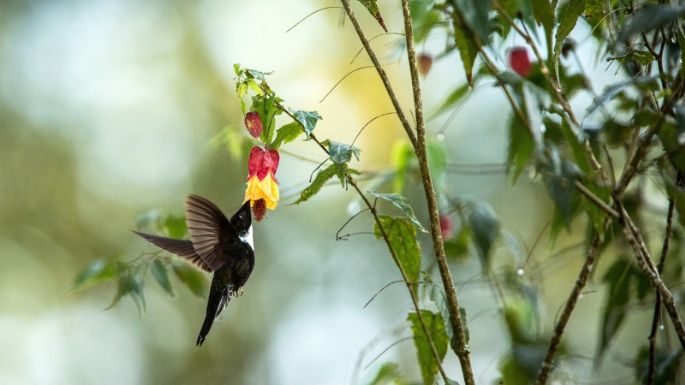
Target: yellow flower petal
[{"x": 266, "y": 189}]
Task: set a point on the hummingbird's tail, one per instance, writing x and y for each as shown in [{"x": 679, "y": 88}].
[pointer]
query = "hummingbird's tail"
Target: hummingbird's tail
[{"x": 218, "y": 296}]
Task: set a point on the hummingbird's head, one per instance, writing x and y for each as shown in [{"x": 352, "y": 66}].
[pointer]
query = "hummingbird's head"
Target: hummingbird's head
[{"x": 242, "y": 219}]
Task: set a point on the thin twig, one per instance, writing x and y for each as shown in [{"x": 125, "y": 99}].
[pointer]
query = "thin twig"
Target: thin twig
[
  {"x": 644, "y": 261},
  {"x": 381, "y": 72},
  {"x": 590, "y": 259},
  {"x": 656, "y": 318},
  {"x": 310, "y": 14},
  {"x": 461, "y": 348},
  {"x": 405, "y": 278},
  {"x": 341, "y": 80},
  {"x": 595, "y": 199}
]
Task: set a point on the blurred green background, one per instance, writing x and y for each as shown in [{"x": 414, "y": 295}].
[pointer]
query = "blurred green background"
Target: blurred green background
[{"x": 108, "y": 110}]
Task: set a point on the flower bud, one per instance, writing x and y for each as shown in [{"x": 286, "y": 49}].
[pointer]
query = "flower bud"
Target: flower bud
[
  {"x": 425, "y": 62},
  {"x": 259, "y": 209},
  {"x": 253, "y": 123},
  {"x": 519, "y": 61},
  {"x": 446, "y": 226}
]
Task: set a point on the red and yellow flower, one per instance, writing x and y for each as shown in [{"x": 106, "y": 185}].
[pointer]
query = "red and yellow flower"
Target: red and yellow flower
[{"x": 262, "y": 186}]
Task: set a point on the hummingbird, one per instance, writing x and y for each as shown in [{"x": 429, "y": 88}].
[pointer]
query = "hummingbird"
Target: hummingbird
[{"x": 217, "y": 245}]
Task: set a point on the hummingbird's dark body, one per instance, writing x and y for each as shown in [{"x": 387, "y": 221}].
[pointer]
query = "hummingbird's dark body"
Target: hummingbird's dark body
[{"x": 217, "y": 245}]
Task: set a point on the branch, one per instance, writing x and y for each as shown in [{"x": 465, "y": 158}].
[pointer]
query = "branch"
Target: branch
[
  {"x": 592, "y": 254},
  {"x": 656, "y": 318},
  {"x": 462, "y": 349},
  {"x": 381, "y": 72},
  {"x": 407, "y": 282},
  {"x": 644, "y": 261}
]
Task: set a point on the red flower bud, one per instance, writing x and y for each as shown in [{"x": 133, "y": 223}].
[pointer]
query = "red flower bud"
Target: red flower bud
[
  {"x": 519, "y": 61},
  {"x": 254, "y": 124},
  {"x": 259, "y": 209},
  {"x": 446, "y": 226},
  {"x": 425, "y": 63}
]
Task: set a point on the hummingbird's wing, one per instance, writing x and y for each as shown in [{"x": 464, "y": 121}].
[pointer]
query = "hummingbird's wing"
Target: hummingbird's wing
[
  {"x": 179, "y": 247},
  {"x": 209, "y": 230}
]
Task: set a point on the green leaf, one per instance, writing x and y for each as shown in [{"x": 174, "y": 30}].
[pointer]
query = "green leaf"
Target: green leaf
[
  {"x": 424, "y": 18},
  {"x": 437, "y": 163},
  {"x": 476, "y": 15},
  {"x": 458, "y": 246},
  {"x": 174, "y": 227},
  {"x": 670, "y": 136},
  {"x": 97, "y": 271},
  {"x": 650, "y": 17},
  {"x": 402, "y": 237},
  {"x": 372, "y": 7},
  {"x": 401, "y": 203},
  {"x": 559, "y": 176},
  {"x": 129, "y": 284},
  {"x": 161, "y": 275},
  {"x": 464, "y": 40},
  {"x": 287, "y": 134},
  {"x": 307, "y": 119},
  {"x": 191, "y": 277},
  {"x": 544, "y": 13},
  {"x": 341, "y": 153},
  {"x": 521, "y": 147},
  {"x": 402, "y": 154},
  {"x": 453, "y": 98},
  {"x": 567, "y": 16},
  {"x": 618, "y": 278},
  {"x": 486, "y": 229},
  {"x": 389, "y": 373},
  {"x": 521, "y": 319},
  {"x": 436, "y": 328},
  {"x": 321, "y": 178},
  {"x": 267, "y": 106}
]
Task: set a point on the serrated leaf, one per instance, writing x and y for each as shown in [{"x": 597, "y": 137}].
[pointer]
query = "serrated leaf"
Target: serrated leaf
[
  {"x": 544, "y": 13},
  {"x": 464, "y": 40},
  {"x": 401, "y": 203},
  {"x": 191, "y": 277},
  {"x": 307, "y": 119},
  {"x": 402, "y": 237},
  {"x": 567, "y": 16},
  {"x": 161, "y": 276},
  {"x": 287, "y": 134},
  {"x": 649, "y": 18},
  {"x": 97, "y": 271},
  {"x": 341, "y": 153},
  {"x": 321, "y": 178},
  {"x": 372, "y": 7},
  {"x": 486, "y": 228},
  {"x": 129, "y": 284},
  {"x": 436, "y": 328},
  {"x": 476, "y": 14}
]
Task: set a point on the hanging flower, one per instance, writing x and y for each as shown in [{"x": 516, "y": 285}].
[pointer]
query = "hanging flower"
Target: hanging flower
[
  {"x": 262, "y": 186},
  {"x": 519, "y": 61},
  {"x": 253, "y": 123}
]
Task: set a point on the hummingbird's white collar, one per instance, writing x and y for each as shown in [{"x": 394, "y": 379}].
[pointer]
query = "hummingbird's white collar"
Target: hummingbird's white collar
[{"x": 248, "y": 238}]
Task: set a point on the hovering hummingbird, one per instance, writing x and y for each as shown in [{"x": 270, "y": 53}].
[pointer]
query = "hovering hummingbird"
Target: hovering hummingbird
[{"x": 219, "y": 245}]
